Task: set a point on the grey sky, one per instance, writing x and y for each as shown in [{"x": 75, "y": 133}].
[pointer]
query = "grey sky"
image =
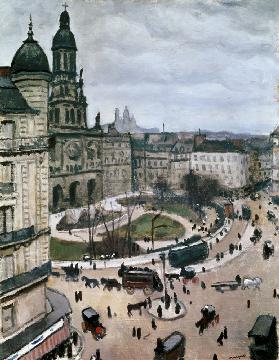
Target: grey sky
[{"x": 211, "y": 64}]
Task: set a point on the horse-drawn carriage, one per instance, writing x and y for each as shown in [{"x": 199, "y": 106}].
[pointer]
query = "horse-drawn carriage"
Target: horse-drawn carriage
[
  {"x": 171, "y": 348},
  {"x": 91, "y": 323},
  {"x": 209, "y": 317},
  {"x": 189, "y": 274},
  {"x": 138, "y": 278},
  {"x": 225, "y": 285}
]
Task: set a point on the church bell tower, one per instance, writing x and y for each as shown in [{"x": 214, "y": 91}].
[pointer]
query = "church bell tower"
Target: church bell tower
[{"x": 67, "y": 103}]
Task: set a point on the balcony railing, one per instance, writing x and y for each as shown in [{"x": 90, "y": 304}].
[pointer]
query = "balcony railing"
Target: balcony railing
[
  {"x": 24, "y": 279},
  {"x": 17, "y": 236},
  {"x": 7, "y": 188},
  {"x": 20, "y": 144}
]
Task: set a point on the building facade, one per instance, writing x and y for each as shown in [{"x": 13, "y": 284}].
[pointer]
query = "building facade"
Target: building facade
[
  {"x": 29, "y": 312},
  {"x": 221, "y": 160},
  {"x": 86, "y": 164}
]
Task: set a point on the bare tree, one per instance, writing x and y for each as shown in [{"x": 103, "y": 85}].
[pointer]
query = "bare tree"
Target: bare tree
[{"x": 130, "y": 211}]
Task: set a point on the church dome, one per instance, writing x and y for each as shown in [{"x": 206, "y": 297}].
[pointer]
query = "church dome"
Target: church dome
[
  {"x": 64, "y": 38},
  {"x": 30, "y": 57}
]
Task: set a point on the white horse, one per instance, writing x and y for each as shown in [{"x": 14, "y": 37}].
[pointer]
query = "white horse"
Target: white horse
[{"x": 251, "y": 283}]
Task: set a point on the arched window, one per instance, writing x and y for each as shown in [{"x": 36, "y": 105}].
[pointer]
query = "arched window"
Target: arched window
[
  {"x": 79, "y": 116},
  {"x": 57, "y": 115},
  {"x": 72, "y": 116},
  {"x": 58, "y": 60},
  {"x": 67, "y": 116},
  {"x": 51, "y": 115},
  {"x": 66, "y": 61}
]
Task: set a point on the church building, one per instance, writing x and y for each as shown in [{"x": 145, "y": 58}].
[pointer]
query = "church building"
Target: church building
[{"x": 86, "y": 164}]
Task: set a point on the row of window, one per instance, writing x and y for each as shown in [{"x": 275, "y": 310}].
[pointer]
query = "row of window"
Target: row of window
[
  {"x": 70, "y": 116},
  {"x": 64, "y": 61},
  {"x": 212, "y": 168},
  {"x": 6, "y": 219},
  {"x": 215, "y": 158}
]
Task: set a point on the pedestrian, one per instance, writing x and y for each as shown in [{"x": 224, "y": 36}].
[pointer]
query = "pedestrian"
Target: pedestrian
[
  {"x": 94, "y": 266},
  {"x": 134, "y": 332},
  {"x": 159, "y": 311},
  {"x": 220, "y": 338},
  {"x": 153, "y": 324},
  {"x": 210, "y": 246},
  {"x": 184, "y": 289},
  {"x": 80, "y": 295},
  {"x": 239, "y": 247},
  {"x": 176, "y": 240},
  {"x": 153, "y": 261},
  {"x": 188, "y": 292},
  {"x": 203, "y": 286},
  {"x": 98, "y": 354},
  {"x": 215, "y": 357},
  {"x": 109, "y": 312},
  {"x": 274, "y": 293},
  {"x": 70, "y": 233},
  {"x": 138, "y": 333},
  {"x": 248, "y": 304},
  {"x": 225, "y": 333},
  {"x": 203, "y": 269},
  {"x": 177, "y": 308},
  {"x": 76, "y": 296},
  {"x": 171, "y": 284},
  {"x": 149, "y": 302},
  {"x": 175, "y": 297}
]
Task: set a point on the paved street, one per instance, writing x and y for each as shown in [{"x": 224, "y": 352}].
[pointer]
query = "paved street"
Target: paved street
[{"x": 231, "y": 305}]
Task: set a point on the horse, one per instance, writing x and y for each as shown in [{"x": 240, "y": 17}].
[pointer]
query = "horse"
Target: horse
[
  {"x": 251, "y": 283},
  {"x": 89, "y": 282},
  {"x": 172, "y": 276},
  {"x": 110, "y": 283},
  {"x": 136, "y": 306}
]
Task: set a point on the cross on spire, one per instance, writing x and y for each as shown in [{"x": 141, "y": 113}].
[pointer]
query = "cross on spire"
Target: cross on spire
[
  {"x": 30, "y": 32},
  {"x": 65, "y": 6}
]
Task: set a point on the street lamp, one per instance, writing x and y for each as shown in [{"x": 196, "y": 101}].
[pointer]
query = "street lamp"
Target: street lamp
[
  {"x": 152, "y": 228},
  {"x": 163, "y": 258}
]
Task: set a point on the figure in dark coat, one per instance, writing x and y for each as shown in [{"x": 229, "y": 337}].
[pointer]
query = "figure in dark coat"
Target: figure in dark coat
[
  {"x": 138, "y": 333},
  {"x": 225, "y": 333},
  {"x": 153, "y": 324},
  {"x": 109, "y": 312},
  {"x": 134, "y": 332},
  {"x": 220, "y": 339},
  {"x": 184, "y": 289}
]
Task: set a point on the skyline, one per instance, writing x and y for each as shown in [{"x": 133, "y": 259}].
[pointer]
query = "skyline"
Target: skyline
[{"x": 209, "y": 64}]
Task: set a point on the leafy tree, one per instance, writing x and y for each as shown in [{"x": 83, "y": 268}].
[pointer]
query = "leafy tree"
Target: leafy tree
[
  {"x": 161, "y": 189},
  {"x": 200, "y": 190}
]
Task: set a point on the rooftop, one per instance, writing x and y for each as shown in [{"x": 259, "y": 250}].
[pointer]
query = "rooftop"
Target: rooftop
[
  {"x": 217, "y": 146},
  {"x": 262, "y": 326},
  {"x": 60, "y": 307}
]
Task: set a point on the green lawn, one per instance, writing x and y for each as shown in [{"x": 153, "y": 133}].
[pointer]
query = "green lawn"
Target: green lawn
[
  {"x": 181, "y": 210},
  {"x": 66, "y": 250},
  {"x": 142, "y": 227}
]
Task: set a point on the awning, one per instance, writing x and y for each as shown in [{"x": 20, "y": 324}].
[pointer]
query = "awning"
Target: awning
[{"x": 49, "y": 343}]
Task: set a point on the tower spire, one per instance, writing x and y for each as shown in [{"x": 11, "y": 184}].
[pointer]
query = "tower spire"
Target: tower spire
[{"x": 30, "y": 31}]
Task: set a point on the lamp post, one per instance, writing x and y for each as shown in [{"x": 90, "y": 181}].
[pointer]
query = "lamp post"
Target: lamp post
[
  {"x": 163, "y": 258},
  {"x": 152, "y": 228}
]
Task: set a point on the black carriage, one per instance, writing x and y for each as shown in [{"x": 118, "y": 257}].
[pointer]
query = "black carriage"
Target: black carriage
[
  {"x": 91, "y": 323},
  {"x": 263, "y": 338},
  {"x": 171, "y": 348}
]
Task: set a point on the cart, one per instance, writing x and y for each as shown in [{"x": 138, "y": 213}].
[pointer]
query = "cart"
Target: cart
[{"x": 91, "y": 323}]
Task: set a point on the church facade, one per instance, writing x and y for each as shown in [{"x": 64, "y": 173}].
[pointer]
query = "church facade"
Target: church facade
[{"x": 86, "y": 164}]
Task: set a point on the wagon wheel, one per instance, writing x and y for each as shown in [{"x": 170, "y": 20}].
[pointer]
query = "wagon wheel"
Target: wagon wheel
[
  {"x": 130, "y": 290},
  {"x": 185, "y": 281},
  {"x": 109, "y": 288},
  {"x": 147, "y": 291}
]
